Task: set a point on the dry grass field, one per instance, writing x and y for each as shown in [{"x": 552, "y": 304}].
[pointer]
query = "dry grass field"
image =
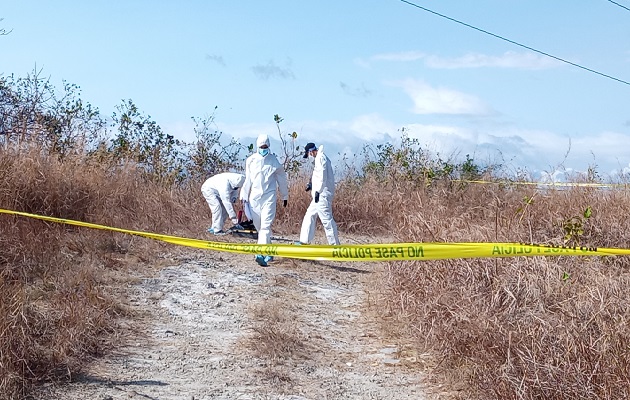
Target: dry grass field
[
  {"x": 513, "y": 328},
  {"x": 523, "y": 328}
]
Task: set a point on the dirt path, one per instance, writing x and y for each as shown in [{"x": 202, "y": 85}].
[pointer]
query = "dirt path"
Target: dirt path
[{"x": 218, "y": 326}]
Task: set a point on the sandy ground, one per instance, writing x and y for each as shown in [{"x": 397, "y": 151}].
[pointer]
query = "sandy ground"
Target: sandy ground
[{"x": 218, "y": 326}]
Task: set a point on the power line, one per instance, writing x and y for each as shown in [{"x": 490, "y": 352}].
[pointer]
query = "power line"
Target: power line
[
  {"x": 620, "y": 5},
  {"x": 518, "y": 44}
]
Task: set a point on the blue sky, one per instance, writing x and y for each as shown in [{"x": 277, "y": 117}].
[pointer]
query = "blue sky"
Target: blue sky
[{"x": 345, "y": 72}]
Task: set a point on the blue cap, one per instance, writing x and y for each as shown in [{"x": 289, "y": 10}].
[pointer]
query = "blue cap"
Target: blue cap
[{"x": 309, "y": 147}]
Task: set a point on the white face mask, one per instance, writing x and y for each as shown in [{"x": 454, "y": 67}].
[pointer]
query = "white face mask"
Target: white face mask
[{"x": 263, "y": 152}]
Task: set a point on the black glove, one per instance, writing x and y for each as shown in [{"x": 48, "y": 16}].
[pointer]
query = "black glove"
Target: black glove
[
  {"x": 284, "y": 203},
  {"x": 309, "y": 186},
  {"x": 316, "y": 197}
]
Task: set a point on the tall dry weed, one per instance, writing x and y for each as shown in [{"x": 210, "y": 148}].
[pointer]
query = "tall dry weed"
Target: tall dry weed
[
  {"x": 59, "y": 301},
  {"x": 277, "y": 336},
  {"x": 367, "y": 207},
  {"x": 521, "y": 328}
]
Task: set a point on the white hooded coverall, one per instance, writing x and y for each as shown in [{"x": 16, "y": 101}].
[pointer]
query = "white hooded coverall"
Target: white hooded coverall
[
  {"x": 323, "y": 181},
  {"x": 220, "y": 191},
  {"x": 263, "y": 176}
]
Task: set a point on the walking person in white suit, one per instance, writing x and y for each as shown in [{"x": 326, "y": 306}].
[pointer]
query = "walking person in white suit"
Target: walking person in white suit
[
  {"x": 322, "y": 187},
  {"x": 264, "y": 176}
]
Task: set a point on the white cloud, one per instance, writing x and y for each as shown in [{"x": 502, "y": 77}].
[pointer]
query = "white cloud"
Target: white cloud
[
  {"x": 432, "y": 100},
  {"x": 554, "y": 176},
  {"x": 509, "y": 59},
  {"x": 362, "y": 63},
  {"x": 603, "y": 149},
  {"x": 402, "y": 56},
  {"x": 372, "y": 127},
  {"x": 441, "y": 139}
]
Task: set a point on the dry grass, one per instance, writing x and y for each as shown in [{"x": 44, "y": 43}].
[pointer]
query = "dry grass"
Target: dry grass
[
  {"x": 276, "y": 333},
  {"x": 521, "y": 328},
  {"x": 59, "y": 298},
  {"x": 277, "y": 338},
  {"x": 357, "y": 208},
  {"x": 289, "y": 218},
  {"x": 368, "y": 207},
  {"x": 506, "y": 328}
]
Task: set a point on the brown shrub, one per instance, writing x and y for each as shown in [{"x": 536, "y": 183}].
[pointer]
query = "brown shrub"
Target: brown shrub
[{"x": 277, "y": 336}]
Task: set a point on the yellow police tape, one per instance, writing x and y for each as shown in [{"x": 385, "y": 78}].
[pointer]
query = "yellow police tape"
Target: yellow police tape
[
  {"x": 552, "y": 184},
  {"x": 363, "y": 252}
]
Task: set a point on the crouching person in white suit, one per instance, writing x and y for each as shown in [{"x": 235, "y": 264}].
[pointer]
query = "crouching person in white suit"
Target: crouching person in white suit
[
  {"x": 264, "y": 175},
  {"x": 322, "y": 187},
  {"x": 220, "y": 192}
]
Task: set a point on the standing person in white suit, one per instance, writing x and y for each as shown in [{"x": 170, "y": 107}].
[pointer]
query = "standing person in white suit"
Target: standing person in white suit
[
  {"x": 264, "y": 175},
  {"x": 322, "y": 186},
  {"x": 220, "y": 192}
]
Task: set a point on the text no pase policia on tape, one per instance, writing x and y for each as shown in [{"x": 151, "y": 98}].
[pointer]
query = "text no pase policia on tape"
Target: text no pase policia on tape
[{"x": 414, "y": 251}]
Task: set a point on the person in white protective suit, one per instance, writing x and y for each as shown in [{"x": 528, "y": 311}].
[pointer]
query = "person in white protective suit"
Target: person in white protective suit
[
  {"x": 221, "y": 191},
  {"x": 322, "y": 187},
  {"x": 264, "y": 175}
]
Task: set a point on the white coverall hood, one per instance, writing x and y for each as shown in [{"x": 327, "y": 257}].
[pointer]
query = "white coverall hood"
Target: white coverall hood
[
  {"x": 236, "y": 181},
  {"x": 262, "y": 139}
]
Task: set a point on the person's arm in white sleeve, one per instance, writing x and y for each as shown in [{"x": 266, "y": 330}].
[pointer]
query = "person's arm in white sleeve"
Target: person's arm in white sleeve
[
  {"x": 226, "y": 199},
  {"x": 319, "y": 171},
  {"x": 247, "y": 185}
]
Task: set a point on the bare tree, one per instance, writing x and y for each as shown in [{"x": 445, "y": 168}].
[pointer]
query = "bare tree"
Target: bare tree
[
  {"x": 291, "y": 157},
  {"x": 32, "y": 111}
]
